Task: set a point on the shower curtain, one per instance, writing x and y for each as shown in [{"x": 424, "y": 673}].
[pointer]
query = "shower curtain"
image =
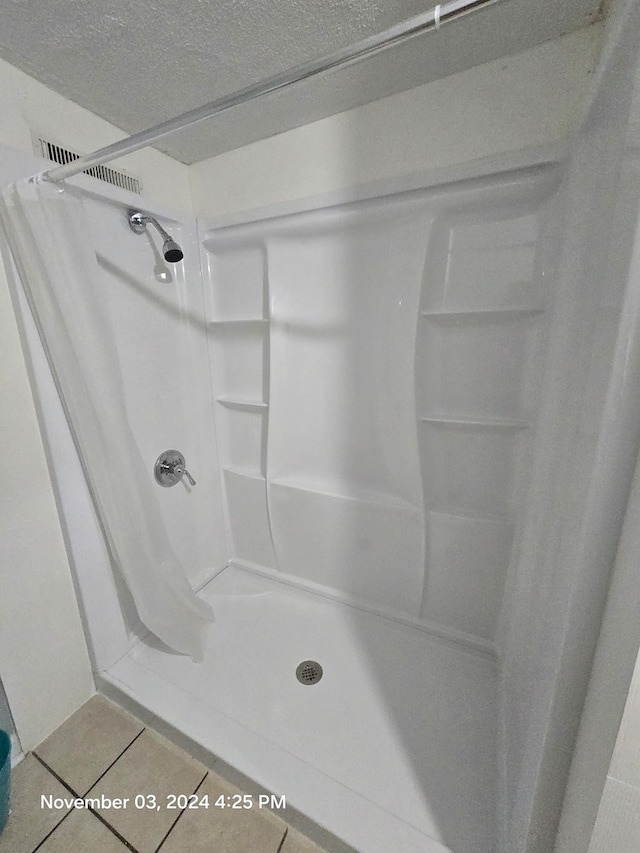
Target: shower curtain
[{"x": 46, "y": 229}]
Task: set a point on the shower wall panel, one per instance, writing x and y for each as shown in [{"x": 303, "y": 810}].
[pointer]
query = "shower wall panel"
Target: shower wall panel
[
  {"x": 344, "y": 486},
  {"x": 156, "y": 313},
  {"x": 478, "y": 359},
  {"x": 377, "y": 366},
  {"x": 320, "y": 446}
]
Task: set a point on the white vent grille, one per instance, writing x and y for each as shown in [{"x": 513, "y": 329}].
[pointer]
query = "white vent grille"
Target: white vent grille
[{"x": 54, "y": 152}]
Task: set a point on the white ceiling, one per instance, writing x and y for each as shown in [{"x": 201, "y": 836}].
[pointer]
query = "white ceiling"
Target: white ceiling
[{"x": 137, "y": 64}]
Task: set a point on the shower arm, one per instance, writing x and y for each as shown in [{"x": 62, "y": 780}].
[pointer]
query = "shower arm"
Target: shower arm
[
  {"x": 433, "y": 19},
  {"x": 138, "y": 221}
]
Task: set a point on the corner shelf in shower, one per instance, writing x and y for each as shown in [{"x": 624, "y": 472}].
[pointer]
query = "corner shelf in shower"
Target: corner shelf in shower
[
  {"x": 249, "y": 473},
  {"x": 462, "y": 316},
  {"x": 345, "y": 492},
  {"x": 243, "y": 405}
]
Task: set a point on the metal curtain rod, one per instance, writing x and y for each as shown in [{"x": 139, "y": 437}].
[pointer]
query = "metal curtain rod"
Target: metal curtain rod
[{"x": 431, "y": 20}]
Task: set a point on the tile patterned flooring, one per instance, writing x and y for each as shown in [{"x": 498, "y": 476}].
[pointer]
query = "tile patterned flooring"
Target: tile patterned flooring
[{"x": 102, "y": 751}]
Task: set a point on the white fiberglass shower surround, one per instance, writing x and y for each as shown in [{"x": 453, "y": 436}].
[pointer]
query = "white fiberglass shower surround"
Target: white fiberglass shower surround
[{"x": 392, "y": 404}]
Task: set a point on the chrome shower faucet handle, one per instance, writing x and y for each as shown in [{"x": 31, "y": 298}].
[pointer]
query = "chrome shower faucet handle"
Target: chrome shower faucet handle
[
  {"x": 170, "y": 469},
  {"x": 180, "y": 471}
]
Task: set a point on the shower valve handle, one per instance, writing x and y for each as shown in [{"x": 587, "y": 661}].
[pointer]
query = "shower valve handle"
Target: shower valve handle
[
  {"x": 170, "y": 468},
  {"x": 180, "y": 470}
]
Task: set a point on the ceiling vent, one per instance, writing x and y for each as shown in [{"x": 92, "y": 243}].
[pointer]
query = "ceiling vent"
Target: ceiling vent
[{"x": 51, "y": 151}]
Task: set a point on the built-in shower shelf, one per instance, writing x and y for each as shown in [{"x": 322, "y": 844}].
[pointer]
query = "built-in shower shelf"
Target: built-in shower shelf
[
  {"x": 480, "y": 423},
  {"x": 482, "y": 314},
  {"x": 243, "y": 405},
  {"x": 348, "y": 492},
  {"x": 255, "y": 323},
  {"x": 249, "y": 473}
]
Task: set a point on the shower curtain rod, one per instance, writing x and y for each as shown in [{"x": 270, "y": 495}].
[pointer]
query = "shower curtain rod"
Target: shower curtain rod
[{"x": 423, "y": 23}]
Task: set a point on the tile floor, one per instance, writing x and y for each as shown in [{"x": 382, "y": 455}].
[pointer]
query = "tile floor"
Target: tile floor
[{"x": 104, "y": 753}]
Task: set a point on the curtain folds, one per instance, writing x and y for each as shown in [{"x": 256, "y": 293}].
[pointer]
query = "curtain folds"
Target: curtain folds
[{"x": 46, "y": 230}]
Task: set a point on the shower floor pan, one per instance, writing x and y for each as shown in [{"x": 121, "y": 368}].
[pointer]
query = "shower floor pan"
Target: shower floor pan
[{"x": 393, "y": 749}]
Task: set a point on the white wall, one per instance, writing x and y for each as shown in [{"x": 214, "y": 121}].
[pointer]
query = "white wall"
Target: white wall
[
  {"x": 27, "y": 105},
  {"x": 530, "y": 99}
]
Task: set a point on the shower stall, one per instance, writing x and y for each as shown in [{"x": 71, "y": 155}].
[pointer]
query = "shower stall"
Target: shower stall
[{"x": 409, "y": 418}]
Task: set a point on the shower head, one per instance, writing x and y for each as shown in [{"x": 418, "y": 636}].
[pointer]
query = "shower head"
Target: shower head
[{"x": 170, "y": 249}]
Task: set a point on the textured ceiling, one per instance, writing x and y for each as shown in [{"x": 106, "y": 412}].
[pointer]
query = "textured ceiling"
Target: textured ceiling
[{"x": 137, "y": 64}]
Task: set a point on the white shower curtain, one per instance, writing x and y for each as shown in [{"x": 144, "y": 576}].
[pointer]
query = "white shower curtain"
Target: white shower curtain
[{"x": 46, "y": 228}]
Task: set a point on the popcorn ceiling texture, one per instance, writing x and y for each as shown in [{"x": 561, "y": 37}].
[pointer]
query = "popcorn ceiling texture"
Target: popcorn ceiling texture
[{"x": 137, "y": 64}]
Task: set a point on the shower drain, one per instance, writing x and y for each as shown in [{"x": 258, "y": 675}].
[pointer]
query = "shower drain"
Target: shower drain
[{"x": 308, "y": 672}]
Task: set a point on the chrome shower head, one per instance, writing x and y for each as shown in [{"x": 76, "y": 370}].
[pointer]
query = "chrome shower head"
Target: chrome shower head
[
  {"x": 172, "y": 252},
  {"x": 170, "y": 249}
]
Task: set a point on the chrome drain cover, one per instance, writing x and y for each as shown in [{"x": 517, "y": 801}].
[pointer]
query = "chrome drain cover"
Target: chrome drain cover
[{"x": 309, "y": 672}]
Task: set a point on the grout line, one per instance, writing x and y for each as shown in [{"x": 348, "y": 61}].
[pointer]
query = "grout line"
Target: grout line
[
  {"x": 67, "y": 786},
  {"x": 282, "y": 840},
  {"x": 117, "y": 759},
  {"x": 59, "y": 778},
  {"x": 169, "y": 831},
  {"x": 79, "y": 797},
  {"x": 121, "y": 838},
  {"x": 49, "y": 834}
]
